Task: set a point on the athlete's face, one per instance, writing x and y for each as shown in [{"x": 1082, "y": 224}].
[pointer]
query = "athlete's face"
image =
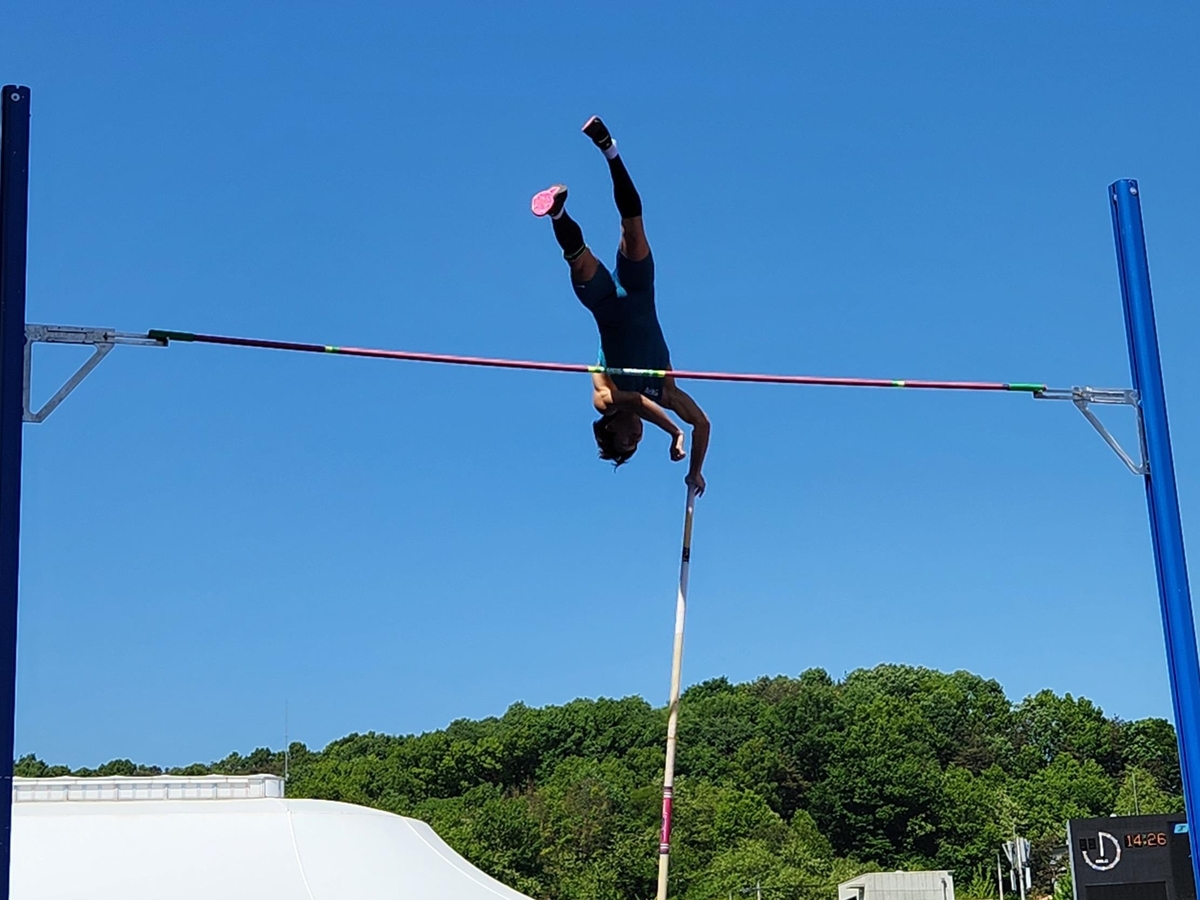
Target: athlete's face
[{"x": 626, "y": 428}]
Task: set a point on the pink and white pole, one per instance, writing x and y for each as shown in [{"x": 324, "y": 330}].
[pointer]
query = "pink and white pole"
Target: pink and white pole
[{"x": 664, "y": 847}]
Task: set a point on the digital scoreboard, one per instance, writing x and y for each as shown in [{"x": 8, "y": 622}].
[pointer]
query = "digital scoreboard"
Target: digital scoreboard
[{"x": 1131, "y": 858}]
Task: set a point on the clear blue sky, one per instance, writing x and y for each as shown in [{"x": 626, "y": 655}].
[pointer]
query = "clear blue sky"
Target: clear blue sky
[{"x": 832, "y": 188}]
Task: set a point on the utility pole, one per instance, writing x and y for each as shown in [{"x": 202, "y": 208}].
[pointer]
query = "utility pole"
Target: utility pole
[
  {"x": 1020, "y": 864},
  {"x": 287, "y": 747},
  {"x": 1017, "y": 851}
]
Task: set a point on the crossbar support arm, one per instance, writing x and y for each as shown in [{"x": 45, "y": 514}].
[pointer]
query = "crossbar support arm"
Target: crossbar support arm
[
  {"x": 103, "y": 339},
  {"x": 1084, "y": 397},
  {"x": 1137, "y": 468}
]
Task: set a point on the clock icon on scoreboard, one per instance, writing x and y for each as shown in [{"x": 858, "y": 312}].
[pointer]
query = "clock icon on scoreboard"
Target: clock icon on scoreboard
[{"x": 1102, "y": 853}]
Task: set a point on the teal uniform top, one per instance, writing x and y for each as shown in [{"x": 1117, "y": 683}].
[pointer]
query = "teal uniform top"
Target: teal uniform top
[{"x": 630, "y": 334}]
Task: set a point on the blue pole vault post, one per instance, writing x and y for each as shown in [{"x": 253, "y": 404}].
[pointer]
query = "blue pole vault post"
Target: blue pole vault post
[
  {"x": 14, "y": 214},
  {"x": 1166, "y": 529}
]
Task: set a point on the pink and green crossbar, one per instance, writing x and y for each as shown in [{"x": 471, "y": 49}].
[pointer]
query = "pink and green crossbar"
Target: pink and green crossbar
[{"x": 165, "y": 337}]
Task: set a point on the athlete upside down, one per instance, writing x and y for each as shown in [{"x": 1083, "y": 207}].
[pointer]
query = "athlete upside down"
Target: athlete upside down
[{"x": 630, "y": 334}]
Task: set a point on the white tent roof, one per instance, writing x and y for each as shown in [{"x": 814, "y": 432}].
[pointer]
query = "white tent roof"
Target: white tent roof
[{"x": 235, "y": 841}]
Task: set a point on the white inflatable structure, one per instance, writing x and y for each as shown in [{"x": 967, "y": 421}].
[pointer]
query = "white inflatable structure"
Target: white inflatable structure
[{"x": 223, "y": 838}]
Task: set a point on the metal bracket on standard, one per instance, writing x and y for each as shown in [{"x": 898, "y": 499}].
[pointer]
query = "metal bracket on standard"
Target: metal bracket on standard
[
  {"x": 1084, "y": 397},
  {"x": 103, "y": 339}
]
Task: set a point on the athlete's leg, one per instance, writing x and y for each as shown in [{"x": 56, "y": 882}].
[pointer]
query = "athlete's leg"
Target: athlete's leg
[
  {"x": 634, "y": 245},
  {"x": 584, "y": 264},
  {"x": 552, "y": 202}
]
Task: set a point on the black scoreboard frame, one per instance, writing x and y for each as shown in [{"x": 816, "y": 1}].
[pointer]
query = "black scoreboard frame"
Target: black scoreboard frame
[{"x": 1131, "y": 858}]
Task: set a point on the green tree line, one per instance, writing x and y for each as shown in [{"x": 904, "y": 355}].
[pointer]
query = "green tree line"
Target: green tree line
[{"x": 794, "y": 783}]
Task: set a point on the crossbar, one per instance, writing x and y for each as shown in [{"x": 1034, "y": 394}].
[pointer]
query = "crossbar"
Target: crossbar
[{"x": 166, "y": 337}]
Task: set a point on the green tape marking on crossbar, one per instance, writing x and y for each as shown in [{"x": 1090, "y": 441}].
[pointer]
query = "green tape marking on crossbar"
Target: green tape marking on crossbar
[
  {"x": 897, "y": 384},
  {"x": 331, "y": 349},
  {"x": 613, "y": 370},
  {"x": 1029, "y": 388},
  {"x": 645, "y": 373}
]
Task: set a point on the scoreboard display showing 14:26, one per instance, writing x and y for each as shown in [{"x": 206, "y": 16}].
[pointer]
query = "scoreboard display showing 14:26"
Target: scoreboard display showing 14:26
[{"x": 1131, "y": 858}]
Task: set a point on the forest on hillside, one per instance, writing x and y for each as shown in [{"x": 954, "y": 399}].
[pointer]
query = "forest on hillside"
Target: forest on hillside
[{"x": 794, "y": 783}]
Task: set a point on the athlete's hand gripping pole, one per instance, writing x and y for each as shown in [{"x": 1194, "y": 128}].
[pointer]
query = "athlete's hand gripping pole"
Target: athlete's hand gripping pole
[{"x": 664, "y": 847}]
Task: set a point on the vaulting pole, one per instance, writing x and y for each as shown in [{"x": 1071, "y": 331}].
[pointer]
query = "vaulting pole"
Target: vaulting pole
[
  {"x": 1166, "y": 529},
  {"x": 664, "y": 847},
  {"x": 14, "y": 214}
]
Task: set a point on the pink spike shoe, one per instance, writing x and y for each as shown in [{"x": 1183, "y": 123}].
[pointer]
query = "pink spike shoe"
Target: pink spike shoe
[{"x": 550, "y": 201}]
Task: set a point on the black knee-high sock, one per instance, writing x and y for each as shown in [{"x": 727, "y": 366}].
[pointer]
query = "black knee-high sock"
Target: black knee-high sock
[
  {"x": 629, "y": 203},
  {"x": 569, "y": 234}
]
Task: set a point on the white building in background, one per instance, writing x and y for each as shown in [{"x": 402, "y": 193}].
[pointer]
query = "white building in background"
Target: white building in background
[
  {"x": 223, "y": 838},
  {"x": 937, "y": 885}
]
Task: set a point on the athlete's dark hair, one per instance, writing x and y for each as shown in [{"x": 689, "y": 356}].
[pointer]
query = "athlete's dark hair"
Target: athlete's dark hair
[{"x": 606, "y": 441}]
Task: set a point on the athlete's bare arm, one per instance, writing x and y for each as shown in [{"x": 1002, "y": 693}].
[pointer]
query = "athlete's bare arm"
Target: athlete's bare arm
[
  {"x": 607, "y": 397},
  {"x": 681, "y": 403}
]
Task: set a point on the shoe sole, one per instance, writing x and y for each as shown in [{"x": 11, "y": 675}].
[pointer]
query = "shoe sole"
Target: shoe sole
[{"x": 543, "y": 201}]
